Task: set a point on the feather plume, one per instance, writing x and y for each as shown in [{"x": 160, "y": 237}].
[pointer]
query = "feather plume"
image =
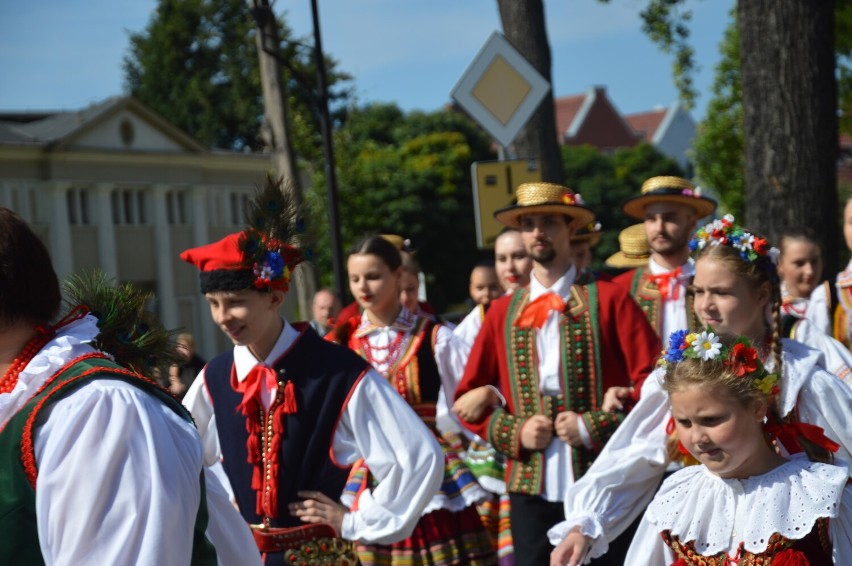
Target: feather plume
[
  {"x": 132, "y": 335},
  {"x": 272, "y": 242}
]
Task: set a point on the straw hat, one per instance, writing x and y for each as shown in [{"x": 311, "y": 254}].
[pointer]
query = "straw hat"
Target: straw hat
[
  {"x": 545, "y": 198},
  {"x": 634, "y": 251},
  {"x": 669, "y": 189},
  {"x": 589, "y": 233}
]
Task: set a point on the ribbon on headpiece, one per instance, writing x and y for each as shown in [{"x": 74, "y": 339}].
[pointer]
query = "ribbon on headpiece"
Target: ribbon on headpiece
[{"x": 537, "y": 311}]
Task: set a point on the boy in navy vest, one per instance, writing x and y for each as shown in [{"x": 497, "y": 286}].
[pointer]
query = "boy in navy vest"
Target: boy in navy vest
[{"x": 287, "y": 413}]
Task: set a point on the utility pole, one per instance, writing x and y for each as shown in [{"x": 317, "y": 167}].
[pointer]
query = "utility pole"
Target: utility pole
[
  {"x": 277, "y": 133},
  {"x": 328, "y": 150}
]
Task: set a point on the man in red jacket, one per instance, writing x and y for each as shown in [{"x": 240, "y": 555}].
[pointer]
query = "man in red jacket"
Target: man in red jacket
[
  {"x": 669, "y": 208},
  {"x": 553, "y": 349}
]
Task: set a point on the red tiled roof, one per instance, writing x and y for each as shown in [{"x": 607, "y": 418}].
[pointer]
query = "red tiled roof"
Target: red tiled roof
[
  {"x": 646, "y": 123},
  {"x": 566, "y": 109}
]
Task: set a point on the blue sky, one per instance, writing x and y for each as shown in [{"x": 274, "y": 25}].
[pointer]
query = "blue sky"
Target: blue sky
[{"x": 61, "y": 54}]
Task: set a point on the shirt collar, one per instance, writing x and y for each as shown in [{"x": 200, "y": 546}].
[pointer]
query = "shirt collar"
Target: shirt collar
[
  {"x": 403, "y": 322},
  {"x": 687, "y": 269},
  {"x": 562, "y": 287},
  {"x": 244, "y": 360}
]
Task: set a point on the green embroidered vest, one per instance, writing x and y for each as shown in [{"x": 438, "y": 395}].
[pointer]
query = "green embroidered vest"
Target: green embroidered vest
[
  {"x": 582, "y": 388},
  {"x": 647, "y": 294},
  {"x": 19, "y": 543}
]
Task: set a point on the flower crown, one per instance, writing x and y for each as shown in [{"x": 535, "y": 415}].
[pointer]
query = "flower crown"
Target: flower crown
[
  {"x": 741, "y": 357},
  {"x": 753, "y": 249}
]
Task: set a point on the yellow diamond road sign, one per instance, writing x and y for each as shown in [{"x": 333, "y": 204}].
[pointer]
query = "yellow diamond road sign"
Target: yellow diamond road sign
[{"x": 500, "y": 89}]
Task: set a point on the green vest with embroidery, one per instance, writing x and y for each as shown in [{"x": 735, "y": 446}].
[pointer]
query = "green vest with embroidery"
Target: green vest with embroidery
[
  {"x": 647, "y": 294},
  {"x": 19, "y": 543},
  {"x": 582, "y": 388}
]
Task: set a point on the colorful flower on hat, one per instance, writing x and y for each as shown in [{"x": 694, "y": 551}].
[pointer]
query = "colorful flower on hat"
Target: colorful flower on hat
[
  {"x": 272, "y": 261},
  {"x": 568, "y": 199}
]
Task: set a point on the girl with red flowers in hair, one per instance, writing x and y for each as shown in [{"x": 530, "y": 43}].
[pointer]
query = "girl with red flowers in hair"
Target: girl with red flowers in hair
[
  {"x": 737, "y": 292},
  {"x": 745, "y": 503}
]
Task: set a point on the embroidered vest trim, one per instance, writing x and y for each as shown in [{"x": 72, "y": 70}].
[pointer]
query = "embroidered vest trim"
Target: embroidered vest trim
[
  {"x": 17, "y": 510},
  {"x": 647, "y": 294},
  {"x": 582, "y": 384}
]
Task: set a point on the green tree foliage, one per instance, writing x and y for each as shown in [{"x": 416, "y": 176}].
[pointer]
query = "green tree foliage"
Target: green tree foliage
[
  {"x": 718, "y": 152},
  {"x": 196, "y": 64},
  {"x": 607, "y": 181},
  {"x": 408, "y": 175}
]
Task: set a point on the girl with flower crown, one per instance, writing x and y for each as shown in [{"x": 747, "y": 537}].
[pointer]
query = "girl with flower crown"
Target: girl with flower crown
[
  {"x": 745, "y": 503},
  {"x": 735, "y": 285},
  {"x": 418, "y": 357}
]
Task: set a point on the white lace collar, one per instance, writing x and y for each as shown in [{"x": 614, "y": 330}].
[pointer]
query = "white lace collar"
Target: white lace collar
[
  {"x": 71, "y": 341},
  {"x": 719, "y": 514}
]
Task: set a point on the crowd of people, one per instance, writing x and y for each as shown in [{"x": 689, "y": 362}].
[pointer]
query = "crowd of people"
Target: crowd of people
[{"x": 693, "y": 409}]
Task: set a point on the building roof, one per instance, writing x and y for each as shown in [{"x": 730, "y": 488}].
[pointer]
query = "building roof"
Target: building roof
[
  {"x": 60, "y": 128},
  {"x": 567, "y": 108},
  {"x": 646, "y": 124}
]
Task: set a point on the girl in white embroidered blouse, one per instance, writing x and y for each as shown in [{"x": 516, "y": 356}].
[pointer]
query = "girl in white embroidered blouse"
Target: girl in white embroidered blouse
[
  {"x": 745, "y": 503},
  {"x": 736, "y": 292}
]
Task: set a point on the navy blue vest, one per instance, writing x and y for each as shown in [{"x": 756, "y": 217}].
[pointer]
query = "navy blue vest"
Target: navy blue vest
[{"x": 323, "y": 374}]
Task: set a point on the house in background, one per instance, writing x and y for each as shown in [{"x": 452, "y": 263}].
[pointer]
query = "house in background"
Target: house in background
[
  {"x": 671, "y": 130},
  {"x": 591, "y": 118},
  {"x": 115, "y": 186}
]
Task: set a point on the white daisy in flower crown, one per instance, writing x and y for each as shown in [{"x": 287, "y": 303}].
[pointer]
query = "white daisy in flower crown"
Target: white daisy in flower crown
[{"x": 706, "y": 345}]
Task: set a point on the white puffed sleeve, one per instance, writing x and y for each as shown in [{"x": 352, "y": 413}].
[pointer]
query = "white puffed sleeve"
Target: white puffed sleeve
[{"x": 622, "y": 480}]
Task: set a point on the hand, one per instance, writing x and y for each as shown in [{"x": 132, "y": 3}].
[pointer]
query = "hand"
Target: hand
[
  {"x": 536, "y": 432},
  {"x": 470, "y": 406},
  {"x": 615, "y": 397},
  {"x": 318, "y": 508},
  {"x": 176, "y": 386},
  {"x": 568, "y": 428},
  {"x": 571, "y": 550}
]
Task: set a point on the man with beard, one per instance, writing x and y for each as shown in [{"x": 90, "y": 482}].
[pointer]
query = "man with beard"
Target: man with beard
[
  {"x": 553, "y": 349},
  {"x": 670, "y": 208}
]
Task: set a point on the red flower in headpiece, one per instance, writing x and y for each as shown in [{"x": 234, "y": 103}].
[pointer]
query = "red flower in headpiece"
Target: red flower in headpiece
[
  {"x": 743, "y": 359},
  {"x": 568, "y": 199},
  {"x": 759, "y": 245}
]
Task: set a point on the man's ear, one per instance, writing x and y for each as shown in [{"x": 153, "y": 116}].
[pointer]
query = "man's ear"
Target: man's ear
[{"x": 277, "y": 298}]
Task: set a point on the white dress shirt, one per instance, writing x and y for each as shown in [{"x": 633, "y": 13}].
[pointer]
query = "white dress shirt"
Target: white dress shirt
[{"x": 376, "y": 424}]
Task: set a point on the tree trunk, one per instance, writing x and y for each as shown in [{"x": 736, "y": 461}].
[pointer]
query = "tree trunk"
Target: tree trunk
[
  {"x": 523, "y": 26},
  {"x": 789, "y": 94},
  {"x": 276, "y": 124}
]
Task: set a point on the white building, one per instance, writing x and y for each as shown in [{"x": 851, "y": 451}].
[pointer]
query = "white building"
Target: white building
[
  {"x": 115, "y": 186},
  {"x": 671, "y": 130}
]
